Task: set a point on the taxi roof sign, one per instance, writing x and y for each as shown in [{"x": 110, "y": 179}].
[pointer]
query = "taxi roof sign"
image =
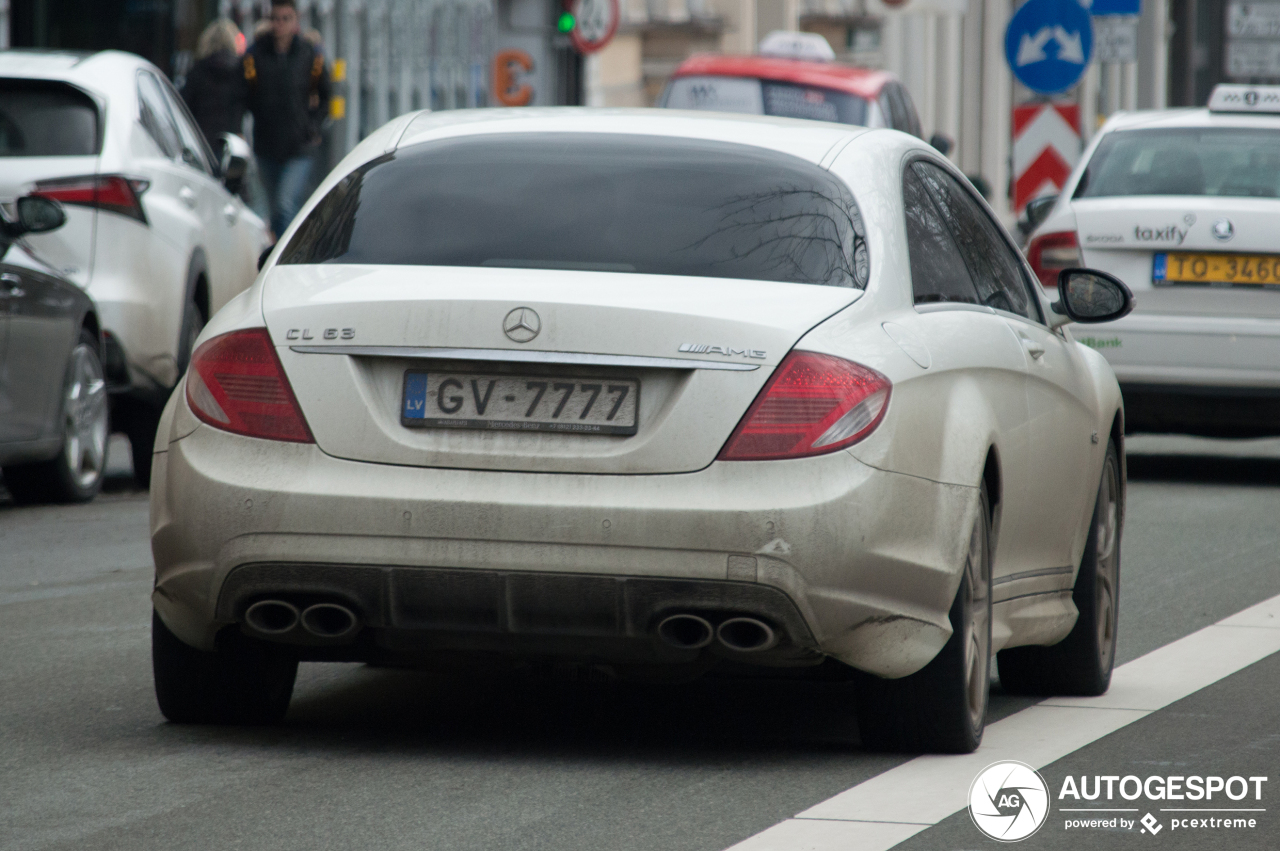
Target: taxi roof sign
[
  {"x": 787, "y": 44},
  {"x": 1229, "y": 97}
]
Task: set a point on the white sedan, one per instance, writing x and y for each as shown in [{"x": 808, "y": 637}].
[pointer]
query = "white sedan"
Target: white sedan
[
  {"x": 645, "y": 390},
  {"x": 1183, "y": 205}
]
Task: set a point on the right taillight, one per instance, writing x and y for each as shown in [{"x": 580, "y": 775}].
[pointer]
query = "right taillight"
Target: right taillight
[
  {"x": 811, "y": 405},
  {"x": 1050, "y": 253},
  {"x": 236, "y": 383},
  {"x": 112, "y": 192}
]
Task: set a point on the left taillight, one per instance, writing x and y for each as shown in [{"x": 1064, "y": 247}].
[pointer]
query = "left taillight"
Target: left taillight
[
  {"x": 236, "y": 383},
  {"x": 812, "y": 404},
  {"x": 112, "y": 192},
  {"x": 1050, "y": 253}
]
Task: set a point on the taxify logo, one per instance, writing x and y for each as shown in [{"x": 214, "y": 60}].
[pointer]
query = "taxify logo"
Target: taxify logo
[{"x": 1168, "y": 233}]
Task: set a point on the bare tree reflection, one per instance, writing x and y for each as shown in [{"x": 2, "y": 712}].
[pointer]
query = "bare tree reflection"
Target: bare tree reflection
[
  {"x": 794, "y": 233},
  {"x": 593, "y": 202},
  {"x": 327, "y": 231}
]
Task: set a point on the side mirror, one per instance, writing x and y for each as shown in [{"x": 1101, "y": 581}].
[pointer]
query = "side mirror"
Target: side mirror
[
  {"x": 1086, "y": 295},
  {"x": 1036, "y": 211},
  {"x": 36, "y": 214},
  {"x": 942, "y": 143},
  {"x": 236, "y": 155}
]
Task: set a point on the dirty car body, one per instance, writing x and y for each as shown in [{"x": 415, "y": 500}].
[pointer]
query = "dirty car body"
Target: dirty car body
[{"x": 788, "y": 452}]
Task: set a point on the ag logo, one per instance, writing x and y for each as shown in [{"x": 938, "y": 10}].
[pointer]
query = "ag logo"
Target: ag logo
[{"x": 1008, "y": 801}]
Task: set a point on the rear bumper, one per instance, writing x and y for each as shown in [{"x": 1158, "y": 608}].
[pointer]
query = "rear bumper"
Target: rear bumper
[
  {"x": 843, "y": 559},
  {"x": 1189, "y": 351},
  {"x": 1201, "y": 409},
  {"x": 1217, "y": 376}
]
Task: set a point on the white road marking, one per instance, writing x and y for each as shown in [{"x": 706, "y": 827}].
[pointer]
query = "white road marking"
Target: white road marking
[{"x": 887, "y": 809}]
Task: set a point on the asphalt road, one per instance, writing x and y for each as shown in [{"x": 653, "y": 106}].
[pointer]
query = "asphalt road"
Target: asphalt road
[{"x": 385, "y": 759}]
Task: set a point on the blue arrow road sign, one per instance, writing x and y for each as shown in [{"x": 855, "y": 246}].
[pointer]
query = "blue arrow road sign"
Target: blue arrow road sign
[
  {"x": 1116, "y": 7},
  {"x": 1048, "y": 44}
]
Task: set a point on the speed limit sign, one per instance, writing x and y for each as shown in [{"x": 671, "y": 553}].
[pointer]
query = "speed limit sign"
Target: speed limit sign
[{"x": 595, "y": 22}]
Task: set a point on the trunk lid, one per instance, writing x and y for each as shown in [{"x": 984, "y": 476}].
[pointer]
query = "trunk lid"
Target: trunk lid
[
  {"x": 700, "y": 348},
  {"x": 1123, "y": 235}
]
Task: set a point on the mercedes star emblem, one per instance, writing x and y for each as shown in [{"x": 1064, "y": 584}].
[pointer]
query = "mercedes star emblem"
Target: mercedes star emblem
[
  {"x": 1222, "y": 230},
  {"x": 522, "y": 324}
]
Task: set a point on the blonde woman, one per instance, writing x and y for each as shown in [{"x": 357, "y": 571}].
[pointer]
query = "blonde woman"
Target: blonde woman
[{"x": 214, "y": 90}]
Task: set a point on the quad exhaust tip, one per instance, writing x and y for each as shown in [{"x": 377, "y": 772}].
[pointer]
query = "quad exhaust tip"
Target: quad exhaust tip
[
  {"x": 746, "y": 635},
  {"x": 687, "y": 632},
  {"x": 740, "y": 634},
  {"x": 272, "y": 617},
  {"x": 330, "y": 620}
]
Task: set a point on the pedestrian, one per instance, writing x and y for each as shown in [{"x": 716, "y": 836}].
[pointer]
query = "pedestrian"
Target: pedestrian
[
  {"x": 213, "y": 89},
  {"x": 287, "y": 90}
]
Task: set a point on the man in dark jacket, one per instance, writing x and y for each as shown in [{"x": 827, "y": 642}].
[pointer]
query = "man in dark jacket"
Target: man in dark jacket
[{"x": 287, "y": 90}]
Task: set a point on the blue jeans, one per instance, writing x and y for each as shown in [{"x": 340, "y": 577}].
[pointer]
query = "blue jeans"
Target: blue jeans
[{"x": 286, "y": 182}]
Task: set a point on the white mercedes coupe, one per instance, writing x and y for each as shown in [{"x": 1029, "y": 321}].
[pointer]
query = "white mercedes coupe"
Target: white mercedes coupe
[{"x": 652, "y": 392}]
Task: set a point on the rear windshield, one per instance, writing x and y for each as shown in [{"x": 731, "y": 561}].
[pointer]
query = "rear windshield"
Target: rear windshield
[
  {"x": 1235, "y": 162},
  {"x": 40, "y": 119},
  {"x": 765, "y": 97},
  {"x": 653, "y": 205}
]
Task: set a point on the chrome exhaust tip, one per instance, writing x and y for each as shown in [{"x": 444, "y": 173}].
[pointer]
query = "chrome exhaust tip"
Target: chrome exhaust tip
[
  {"x": 330, "y": 620},
  {"x": 746, "y": 635},
  {"x": 272, "y": 617},
  {"x": 687, "y": 632}
]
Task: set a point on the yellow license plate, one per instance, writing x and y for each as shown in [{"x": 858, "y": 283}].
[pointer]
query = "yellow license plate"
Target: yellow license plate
[{"x": 1191, "y": 268}]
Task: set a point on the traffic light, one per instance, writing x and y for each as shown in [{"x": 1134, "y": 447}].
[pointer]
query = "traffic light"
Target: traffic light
[{"x": 567, "y": 20}]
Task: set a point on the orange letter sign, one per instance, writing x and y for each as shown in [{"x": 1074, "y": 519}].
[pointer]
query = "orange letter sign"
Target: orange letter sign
[{"x": 507, "y": 88}]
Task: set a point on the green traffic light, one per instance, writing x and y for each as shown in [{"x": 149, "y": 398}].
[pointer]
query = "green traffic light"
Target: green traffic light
[{"x": 566, "y": 22}]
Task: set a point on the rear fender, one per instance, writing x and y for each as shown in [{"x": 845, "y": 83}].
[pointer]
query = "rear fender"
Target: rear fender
[{"x": 938, "y": 427}]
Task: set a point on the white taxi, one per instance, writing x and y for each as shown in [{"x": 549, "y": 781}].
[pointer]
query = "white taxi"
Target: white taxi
[{"x": 1183, "y": 205}]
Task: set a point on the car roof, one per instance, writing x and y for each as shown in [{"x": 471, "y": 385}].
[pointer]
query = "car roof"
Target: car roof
[
  {"x": 810, "y": 140},
  {"x": 89, "y": 70},
  {"x": 862, "y": 82},
  {"x": 1172, "y": 119},
  {"x": 38, "y": 63}
]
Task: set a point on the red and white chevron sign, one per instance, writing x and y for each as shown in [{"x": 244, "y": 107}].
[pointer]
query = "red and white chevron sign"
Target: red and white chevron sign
[{"x": 1046, "y": 145}]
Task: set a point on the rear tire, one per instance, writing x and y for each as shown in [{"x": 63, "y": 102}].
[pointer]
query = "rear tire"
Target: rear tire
[
  {"x": 1081, "y": 663},
  {"x": 242, "y": 682},
  {"x": 941, "y": 708},
  {"x": 193, "y": 320},
  {"x": 144, "y": 419},
  {"x": 75, "y": 474}
]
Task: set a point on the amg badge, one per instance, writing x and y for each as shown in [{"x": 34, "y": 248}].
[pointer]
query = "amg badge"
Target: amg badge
[{"x": 727, "y": 351}]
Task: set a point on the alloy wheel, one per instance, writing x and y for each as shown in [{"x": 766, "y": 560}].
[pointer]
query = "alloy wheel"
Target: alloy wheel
[
  {"x": 978, "y": 641},
  {"x": 85, "y": 418},
  {"x": 1108, "y": 563}
]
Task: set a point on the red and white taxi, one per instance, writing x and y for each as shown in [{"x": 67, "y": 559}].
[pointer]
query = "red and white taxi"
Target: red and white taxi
[{"x": 792, "y": 77}]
